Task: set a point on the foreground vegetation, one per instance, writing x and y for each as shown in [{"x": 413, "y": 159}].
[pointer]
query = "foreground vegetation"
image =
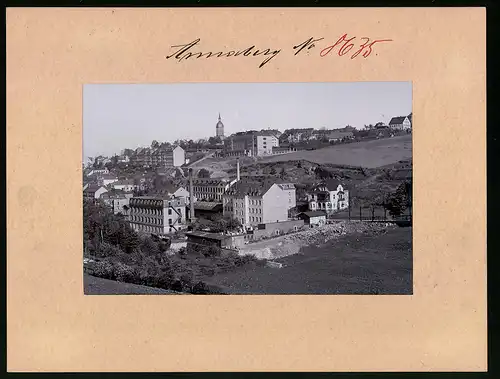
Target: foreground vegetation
[{"x": 115, "y": 251}]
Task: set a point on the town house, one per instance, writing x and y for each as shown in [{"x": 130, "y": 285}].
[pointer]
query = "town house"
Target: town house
[
  {"x": 401, "y": 123},
  {"x": 93, "y": 192},
  {"x": 157, "y": 214},
  {"x": 207, "y": 189},
  {"x": 124, "y": 185},
  {"x": 254, "y": 203},
  {"x": 329, "y": 196},
  {"x": 117, "y": 201}
]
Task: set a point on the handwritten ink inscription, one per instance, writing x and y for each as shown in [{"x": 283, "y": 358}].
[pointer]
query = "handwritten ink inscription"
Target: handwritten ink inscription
[
  {"x": 363, "y": 47},
  {"x": 346, "y": 44},
  {"x": 185, "y": 53}
]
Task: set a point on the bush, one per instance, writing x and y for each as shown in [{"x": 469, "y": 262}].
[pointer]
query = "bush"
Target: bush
[
  {"x": 106, "y": 250},
  {"x": 200, "y": 288},
  {"x": 212, "y": 251},
  {"x": 177, "y": 286},
  {"x": 125, "y": 273},
  {"x": 149, "y": 247},
  {"x": 103, "y": 269},
  {"x": 245, "y": 259},
  {"x": 164, "y": 280}
]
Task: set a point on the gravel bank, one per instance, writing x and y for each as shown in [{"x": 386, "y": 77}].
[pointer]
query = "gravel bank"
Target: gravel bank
[{"x": 291, "y": 244}]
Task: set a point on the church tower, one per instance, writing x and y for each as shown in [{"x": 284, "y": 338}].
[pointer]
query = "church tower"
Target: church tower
[{"x": 219, "y": 129}]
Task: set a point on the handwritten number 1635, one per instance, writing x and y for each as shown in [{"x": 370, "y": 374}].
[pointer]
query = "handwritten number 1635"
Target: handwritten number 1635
[{"x": 346, "y": 45}]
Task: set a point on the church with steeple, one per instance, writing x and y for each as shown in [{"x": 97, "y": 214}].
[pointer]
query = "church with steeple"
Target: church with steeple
[{"x": 219, "y": 129}]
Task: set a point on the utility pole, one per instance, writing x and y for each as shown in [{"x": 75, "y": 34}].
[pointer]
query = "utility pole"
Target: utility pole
[{"x": 360, "y": 218}]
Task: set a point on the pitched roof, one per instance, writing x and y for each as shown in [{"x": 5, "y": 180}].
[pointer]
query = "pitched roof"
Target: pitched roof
[
  {"x": 397, "y": 120},
  {"x": 109, "y": 176},
  {"x": 339, "y": 134},
  {"x": 207, "y": 205},
  {"x": 247, "y": 186},
  {"x": 93, "y": 188},
  {"x": 330, "y": 184},
  {"x": 213, "y": 236},
  {"x": 114, "y": 194},
  {"x": 210, "y": 181},
  {"x": 313, "y": 213},
  {"x": 168, "y": 188},
  {"x": 124, "y": 182},
  {"x": 285, "y": 186}
]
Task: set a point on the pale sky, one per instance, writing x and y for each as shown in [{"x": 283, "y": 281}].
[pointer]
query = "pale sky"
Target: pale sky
[{"x": 118, "y": 116}]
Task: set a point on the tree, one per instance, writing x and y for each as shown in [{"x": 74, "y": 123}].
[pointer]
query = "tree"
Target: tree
[
  {"x": 225, "y": 224},
  {"x": 203, "y": 173},
  {"x": 283, "y": 173},
  {"x": 214, "y": 140},
  {"x": 400, "y": 200},
  {"x": 128, "y": 152},
  {"x": 100, "y": 226},
  {"x": 155, "y": 144}
]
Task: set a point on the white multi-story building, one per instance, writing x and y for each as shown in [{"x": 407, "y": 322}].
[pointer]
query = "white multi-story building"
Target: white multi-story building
[
  {"x": 330, "y": 196},
  {"x": 150, "y": 214},
  {"x": 207, "y": 189},
  {"x": 255, "y": 203},
  {"x": 264, "y": 143},
  {"x": 401, "y": 123},
  {"x": 124, "y": 185},
  {"x": 93, "y": 191},
  {"x": 117, "y": 200}
]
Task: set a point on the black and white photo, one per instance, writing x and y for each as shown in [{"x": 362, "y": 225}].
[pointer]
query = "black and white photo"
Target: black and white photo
[{"x": 248, "y": 188}]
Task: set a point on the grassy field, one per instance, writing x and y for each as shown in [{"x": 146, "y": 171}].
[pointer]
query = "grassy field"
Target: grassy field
[
  {"x": 369, "y": 154},
  {"x": 355, "y": 264},
  {"x": 98, "y": 286}
]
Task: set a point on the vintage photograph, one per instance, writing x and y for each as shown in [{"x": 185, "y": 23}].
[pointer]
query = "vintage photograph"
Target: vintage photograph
[{"x": 247, "y": 188}]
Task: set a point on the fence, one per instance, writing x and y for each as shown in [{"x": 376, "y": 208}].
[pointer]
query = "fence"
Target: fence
[{"x": 368, "y": 213}]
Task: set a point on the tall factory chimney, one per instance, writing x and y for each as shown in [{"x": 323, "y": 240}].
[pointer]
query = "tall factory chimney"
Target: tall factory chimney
[
  {"x": 238, "y": 169},
  {"x": 191, "y": 196}
]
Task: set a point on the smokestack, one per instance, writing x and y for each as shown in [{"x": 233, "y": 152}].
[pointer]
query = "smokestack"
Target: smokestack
[
  {"x": 191, "y": 196},
  {"x": 238, "y": 169}
]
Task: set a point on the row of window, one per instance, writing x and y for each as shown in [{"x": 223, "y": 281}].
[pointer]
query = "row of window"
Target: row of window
[
  {"x": 147, "y": 228},
  {"x": 151, "y": 220},
  {"x": 146, "y": 220},
  {"x": 255, "y": 219},
  {"x": 207, "y": 189},
  {"x": 147, "y": 211}
]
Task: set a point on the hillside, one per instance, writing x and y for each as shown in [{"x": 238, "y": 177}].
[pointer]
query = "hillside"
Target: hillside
[
  {"x": 367, "y": 185},
  {"x": 370, "y": 154}
]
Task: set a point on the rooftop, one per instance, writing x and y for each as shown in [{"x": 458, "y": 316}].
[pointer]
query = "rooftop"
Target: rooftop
[
  {"x": 208, "y": 235},
  {"x": 330, "y": 184},
  {"x": 314, "y": 213},
  {"x": 206, "y": 205},
  {"x": 123, "y": 182},
  {"x": 397, "y": 120},
  {"x": 93, "y": 188}
]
